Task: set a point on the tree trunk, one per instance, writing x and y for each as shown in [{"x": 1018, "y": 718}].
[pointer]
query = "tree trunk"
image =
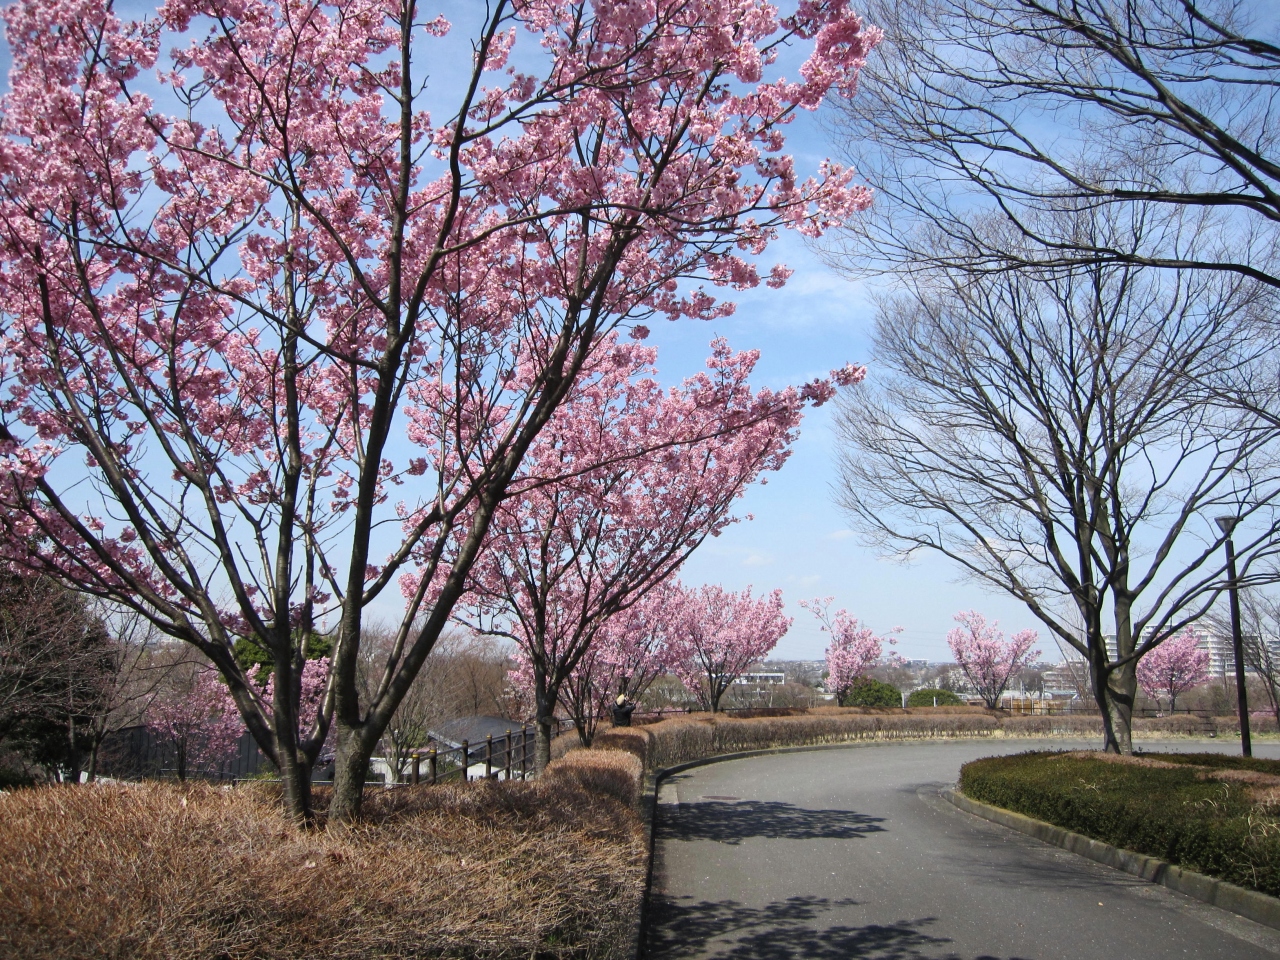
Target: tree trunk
[
  {"x": 295, "y": 774},
  {"x": 350, "y": 769},
  {"x": 585, "y": 733},
  {"x": 1122, "y": 691},
  {"x": 1114, "y": 690},
  {"x": 295, "y": 768},
  {"x": 541, "y": 744},
  {"x": 544, "y": 704},
  {"x": 92, "y": 774}
]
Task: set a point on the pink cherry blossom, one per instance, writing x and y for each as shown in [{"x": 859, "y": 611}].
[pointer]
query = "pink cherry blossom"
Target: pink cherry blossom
[
  {"x": 273, "y": 310},
  {"x": 1173, "y": 667},
  {"x": 620, "y": 487},
  {"x": 631, "y": 650},
  {"x": 984, "y": 656},
  {"x": 853, "y": 649},
  {"x": 718, "y": 635},
  {"x": 198, "y": 721}
]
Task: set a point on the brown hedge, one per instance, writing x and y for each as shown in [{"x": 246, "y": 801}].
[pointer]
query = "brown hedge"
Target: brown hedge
[{"x": 699, "y": 735}]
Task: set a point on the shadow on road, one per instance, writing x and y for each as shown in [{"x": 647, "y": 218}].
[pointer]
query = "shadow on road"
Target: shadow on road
[
  {"x": 789, "y": 930},
  {"x": 734, "y": 822}
]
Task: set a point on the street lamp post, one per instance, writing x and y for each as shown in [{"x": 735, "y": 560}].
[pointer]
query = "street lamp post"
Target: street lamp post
[{"x": 1226, "y": 525}]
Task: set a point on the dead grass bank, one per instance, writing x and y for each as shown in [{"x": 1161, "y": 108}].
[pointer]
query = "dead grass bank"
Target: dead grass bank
[{"x": 553, "y": 868}]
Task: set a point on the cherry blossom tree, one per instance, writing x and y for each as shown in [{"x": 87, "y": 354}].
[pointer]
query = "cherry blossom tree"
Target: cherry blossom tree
[
  {"x": 194, "y": 713},
  {"x": 589, "y": 527},
  {"x": 1174, "y": 667},
  {"x": 719, "y": 634},
  {"x": 986, "y": 659},
  {"x": 853, "y": 649},
  {"x": 221, "y": 286},
  {"x": 631, "y": 650}
]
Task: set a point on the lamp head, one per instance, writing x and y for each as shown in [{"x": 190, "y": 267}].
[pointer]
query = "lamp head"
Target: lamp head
[{"x": 1226, "y": 524}]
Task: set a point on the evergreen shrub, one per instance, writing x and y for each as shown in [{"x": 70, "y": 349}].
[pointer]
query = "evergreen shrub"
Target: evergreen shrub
[
  {"x": 1209, "y": 813},
  {"x": 867, "y": 692},
  {"x": 926, "y": 698}
]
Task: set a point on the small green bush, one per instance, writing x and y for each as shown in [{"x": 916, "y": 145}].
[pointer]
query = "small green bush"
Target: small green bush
[
  {"x": 1178, "y": 814},
  {"x": 925, "y": 698},
  {"x": 867, "y": 692}
]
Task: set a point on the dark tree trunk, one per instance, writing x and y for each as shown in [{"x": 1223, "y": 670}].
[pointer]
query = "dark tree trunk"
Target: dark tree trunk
[
  {"x": 295, "y": 766},
  {"x": 1122, "y": 691},
  {"x": 541, "y": 744},
  {"x": 350, "y": 770},
  {"x": 1114, "y": 690},
  {"x": 545, "y": 708}
]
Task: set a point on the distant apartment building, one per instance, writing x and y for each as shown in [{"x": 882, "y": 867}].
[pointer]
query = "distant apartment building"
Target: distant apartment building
[
  {"x": 759, "y": 679},
  {"x": 1222, "y": 658},
  {"x": 1066, "y": 680}
]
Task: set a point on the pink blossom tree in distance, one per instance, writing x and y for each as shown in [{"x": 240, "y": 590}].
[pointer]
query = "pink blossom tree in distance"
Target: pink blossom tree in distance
[
  {"x": 194, "y": 714},
  {"x": 632, "y": 650},
  {"x": 986, "y": 658},
  {"x": 718, "y": 635},
  {"x": 1174, "y": 667},
  {"x": 235, "y": 248},
  {"x": 853, "y": 650}
]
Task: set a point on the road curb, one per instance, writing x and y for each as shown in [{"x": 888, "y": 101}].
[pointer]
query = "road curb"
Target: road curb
[
  {"x": 1255, "y": 906},
  {"x": 648, "y": 811}
]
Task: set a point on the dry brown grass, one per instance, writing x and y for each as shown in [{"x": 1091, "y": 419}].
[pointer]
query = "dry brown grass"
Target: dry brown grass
[
  {"x": 612, "y": 772},
  {"x": 494, "y": 870},
  {"x": 1124, "y": 759},
  {"x": 1058, "y": 725}
]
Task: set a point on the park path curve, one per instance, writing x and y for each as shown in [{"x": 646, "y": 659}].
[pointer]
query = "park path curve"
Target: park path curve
[{"x": 851, "y": 853}]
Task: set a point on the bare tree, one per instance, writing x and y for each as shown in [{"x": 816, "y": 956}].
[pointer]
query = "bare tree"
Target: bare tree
[
  {"x": 1060, "y": 435},
  {"x": 139, "y": 662},
  {"x": 1018, "y": 107},
  {"x": 466, "y": 675},
  {"x": 1260, "y": 628}
]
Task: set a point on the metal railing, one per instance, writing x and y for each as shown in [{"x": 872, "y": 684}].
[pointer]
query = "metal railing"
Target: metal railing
[
  {"x": 505, "y": 757},
  {"x": 508, "y": 756}
]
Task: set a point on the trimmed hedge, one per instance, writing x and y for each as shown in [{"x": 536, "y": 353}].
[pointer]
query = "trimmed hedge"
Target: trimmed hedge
[
  {"x": 932, "y": 696},
  {"x": 682, "y": 739},
  {"x": 1177, "y": 809}
]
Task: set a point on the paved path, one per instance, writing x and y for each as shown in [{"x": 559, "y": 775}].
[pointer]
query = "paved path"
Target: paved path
[{"x": 851, "y": 853}]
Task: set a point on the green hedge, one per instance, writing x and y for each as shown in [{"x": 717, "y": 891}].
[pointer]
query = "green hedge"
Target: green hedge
[
  {"x": 927, "y": 698},
  {"x": 868, "y": 692},
  {"x": 1178, "y": 815}
]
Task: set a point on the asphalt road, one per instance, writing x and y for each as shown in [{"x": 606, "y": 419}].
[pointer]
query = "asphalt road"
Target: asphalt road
[{"x": 846, "y": 853}]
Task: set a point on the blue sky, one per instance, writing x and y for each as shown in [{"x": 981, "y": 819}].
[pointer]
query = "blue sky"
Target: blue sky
[{"x": 798, "y": 540}]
